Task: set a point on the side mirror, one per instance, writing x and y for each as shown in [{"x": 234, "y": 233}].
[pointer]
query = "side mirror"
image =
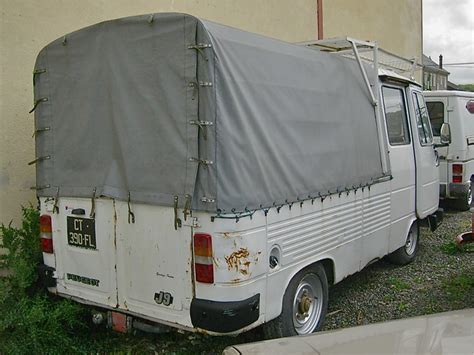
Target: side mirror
[{"x": 445, "y": 134}]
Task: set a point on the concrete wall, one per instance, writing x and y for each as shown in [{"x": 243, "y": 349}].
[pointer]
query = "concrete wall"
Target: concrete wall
[
  {"x": 395, "y": 24},
  {"x": 28, "y": 25}
]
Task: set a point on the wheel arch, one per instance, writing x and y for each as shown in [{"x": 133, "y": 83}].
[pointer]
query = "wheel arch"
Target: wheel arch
[{"x": 329, "y": 266}]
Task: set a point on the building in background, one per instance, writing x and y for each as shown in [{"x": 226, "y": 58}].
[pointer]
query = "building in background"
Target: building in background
[
  {"x": 27, "y": 26},
  {"x": 434, "y": 76},
  {"x": 453, "y": 87}
]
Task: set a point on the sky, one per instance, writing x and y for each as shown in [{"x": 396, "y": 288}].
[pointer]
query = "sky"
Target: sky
[{"x": 448, "y": 29}]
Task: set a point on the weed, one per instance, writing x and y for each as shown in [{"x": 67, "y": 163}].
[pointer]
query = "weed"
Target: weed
[
  {"x": 402, "y": 306},
  {"x": 459, "y": 287},
  {"x": 30, "y": 321},
  {"x": 398, "y": 284},
  {"x": 450, "y": 248}
]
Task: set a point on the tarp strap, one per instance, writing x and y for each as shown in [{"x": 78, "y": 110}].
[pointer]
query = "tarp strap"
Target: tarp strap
[
  {"x": 37, "y": 102},
  {"x": 199, "y": 47},
  {"x": 37, "y": 72},
  {"x": 202, "y": 126},
  {"x": 92, "y": 214},
  {"x": 131, "y": 215},
  {"x": 187, "y": 206},
  {"x": 44, "y": 129},
  {"x": 42, "y": 187},
  {"x": 204, "y": 162},
  {"x": 56, "y": 201},
  {"x": 194, "y": 85},
  {"x": 208, "y": 199},
  {"x": 46, "y": 157}
]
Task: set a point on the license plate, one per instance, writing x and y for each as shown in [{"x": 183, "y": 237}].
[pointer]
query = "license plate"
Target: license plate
[{"x": 81, "y": 232}]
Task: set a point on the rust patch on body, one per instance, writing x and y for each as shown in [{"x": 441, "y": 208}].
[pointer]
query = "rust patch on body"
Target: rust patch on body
[
  {"x": 238, "y": 261},
  {"x": 230, "y": 234}
]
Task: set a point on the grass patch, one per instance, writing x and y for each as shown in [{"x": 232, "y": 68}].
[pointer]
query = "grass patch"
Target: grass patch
[
  {"x": 31, "y": 322},
  {"x": 450, "y": 248},
  {"x": 398, "y": 284},
  {"x": 460, "y": 287}
]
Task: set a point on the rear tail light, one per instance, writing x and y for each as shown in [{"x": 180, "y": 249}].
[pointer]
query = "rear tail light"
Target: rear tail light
[
  {"x": 46, "y": 234},
  {"x": 457, "y": 169},
  {"x": 470, "y": 106},
  {"x": 203, "y": 264},
  {"x": 457, "y": 172}
]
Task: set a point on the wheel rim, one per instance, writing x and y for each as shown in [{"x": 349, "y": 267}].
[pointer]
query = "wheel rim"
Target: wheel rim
[
  {"x": 307, "y": 304},
  {"x": 412, "y": 239},
  {"x": 469, "y": 197}
]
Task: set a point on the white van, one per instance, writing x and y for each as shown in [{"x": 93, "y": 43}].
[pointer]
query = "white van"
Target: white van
[
  {"x": 210, "y": 179},
  {"x": 457, "y": 158}
]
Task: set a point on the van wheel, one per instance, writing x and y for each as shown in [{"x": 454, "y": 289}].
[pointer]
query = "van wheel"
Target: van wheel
[
  {"x": 405, "y": 254},
  {"x": 304, "y": 305},
  {"x": 464, "y": 203}
]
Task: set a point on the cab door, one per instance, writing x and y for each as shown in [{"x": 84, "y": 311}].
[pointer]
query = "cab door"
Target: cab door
[{"x": 426, "y": 157}]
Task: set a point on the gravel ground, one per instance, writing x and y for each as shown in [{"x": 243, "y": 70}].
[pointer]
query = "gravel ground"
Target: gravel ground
[{"x": 440, "y": 279}]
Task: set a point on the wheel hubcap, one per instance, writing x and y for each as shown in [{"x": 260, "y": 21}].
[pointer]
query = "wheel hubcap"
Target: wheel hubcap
[
  {"x": 412, "y": 239},
  {"x": 307, "y": 304},
  {"x": 469, "y": 197}
]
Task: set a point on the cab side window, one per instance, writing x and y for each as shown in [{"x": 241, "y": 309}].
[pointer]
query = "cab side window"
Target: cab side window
[
  {"x": 422, "y": 119},
  {"x": 395, "y": 116},
  {"x": 436, "y": 113}
]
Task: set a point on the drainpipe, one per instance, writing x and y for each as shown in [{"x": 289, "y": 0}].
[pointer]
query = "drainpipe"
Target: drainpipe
[{"x": 319, "y": 18}]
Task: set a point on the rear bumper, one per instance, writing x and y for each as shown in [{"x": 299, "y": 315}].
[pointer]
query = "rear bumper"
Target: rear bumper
[
  {"x": 224, "y": 317},
  {"x": 454, "y": 190},
  {"x": 46, "y": 275}
]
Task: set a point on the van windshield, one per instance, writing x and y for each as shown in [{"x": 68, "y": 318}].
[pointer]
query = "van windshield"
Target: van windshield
[{"x": 436, "y": 113}]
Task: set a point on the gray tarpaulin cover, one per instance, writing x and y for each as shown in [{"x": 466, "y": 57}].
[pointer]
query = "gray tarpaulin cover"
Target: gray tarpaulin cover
[{"x": 166, "y": 105}]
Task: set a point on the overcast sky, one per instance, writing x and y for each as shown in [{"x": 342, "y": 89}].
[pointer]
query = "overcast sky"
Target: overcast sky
[{"x": 448, "y": 29}]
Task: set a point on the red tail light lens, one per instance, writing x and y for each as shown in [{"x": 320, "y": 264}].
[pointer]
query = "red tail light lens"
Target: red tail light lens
[
  {"x": 46, "y": 234},
  {"x": 470, "y": 106},
  {"x": 457, "y": 169},
  {"x": 457, "y": 178},
  {"x": 203, "y": 264}
]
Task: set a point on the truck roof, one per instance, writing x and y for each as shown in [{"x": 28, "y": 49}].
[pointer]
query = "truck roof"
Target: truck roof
[{"x": 445, "y": 93}]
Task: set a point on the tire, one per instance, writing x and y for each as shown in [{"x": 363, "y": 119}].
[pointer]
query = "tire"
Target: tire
[
  {"x": 304, "y": 305},
  {"x": 406, "y": 254},
  {"x": 464, "y": 203}
]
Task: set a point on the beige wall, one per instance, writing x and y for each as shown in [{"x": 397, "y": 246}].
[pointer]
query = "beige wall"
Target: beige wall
[
  {"x": 28, "y": 25},
  {"x": 396, "y": 25}
]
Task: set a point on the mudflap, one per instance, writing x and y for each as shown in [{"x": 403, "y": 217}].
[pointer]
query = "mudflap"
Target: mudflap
[{"x": 434, "y": 220}]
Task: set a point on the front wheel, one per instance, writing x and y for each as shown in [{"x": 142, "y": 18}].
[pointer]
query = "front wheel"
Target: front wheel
[
  {"x": 304, "y": 305},
  {"x": 405, "y": 254}
]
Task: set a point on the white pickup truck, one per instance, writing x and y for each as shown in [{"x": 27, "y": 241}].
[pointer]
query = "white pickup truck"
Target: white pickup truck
[{"x": 211, "y": 179}]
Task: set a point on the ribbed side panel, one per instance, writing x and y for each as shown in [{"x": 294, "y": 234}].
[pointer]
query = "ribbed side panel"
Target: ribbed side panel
[
  {"x": 376, "y": 213},
  {"x": 318, "y": 232}
]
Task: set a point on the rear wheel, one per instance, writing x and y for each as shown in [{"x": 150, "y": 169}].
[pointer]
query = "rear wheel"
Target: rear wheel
[
  {"x": 405, "y": 254},
  {"x": 304, "y": 305}
]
